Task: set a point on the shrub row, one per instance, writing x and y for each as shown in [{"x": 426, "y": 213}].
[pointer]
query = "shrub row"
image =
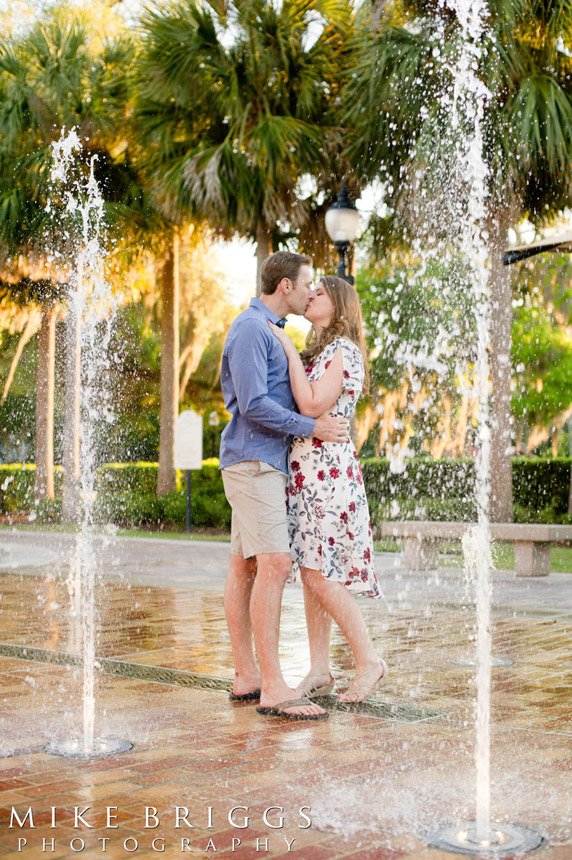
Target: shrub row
[
  {"x": 443, "y": 489},
  {"x": 540, "y": 484},
  {"x": 17, "y": 486},
  {"x": 427, "y": 489},
  {"x": 128, "y": 497}
]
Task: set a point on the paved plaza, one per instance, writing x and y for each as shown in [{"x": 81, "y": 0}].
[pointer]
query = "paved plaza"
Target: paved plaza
[{"x": 370, "y": 782}]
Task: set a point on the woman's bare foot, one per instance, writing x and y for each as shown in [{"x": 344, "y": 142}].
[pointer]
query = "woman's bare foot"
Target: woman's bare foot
[
  {"x": 365, "y": 683},
  {"x": 316, "y": 684}
]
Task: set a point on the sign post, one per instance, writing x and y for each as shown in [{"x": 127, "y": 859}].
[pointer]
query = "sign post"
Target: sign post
[{"x": 189, "y": 452}]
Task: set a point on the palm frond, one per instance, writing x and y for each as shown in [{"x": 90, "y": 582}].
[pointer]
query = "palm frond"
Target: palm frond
[
  {"x": 394, "y": 88},
  {"x": 230, "y": 124}
]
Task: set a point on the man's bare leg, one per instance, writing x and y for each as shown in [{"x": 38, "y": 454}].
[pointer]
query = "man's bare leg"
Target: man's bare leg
[
  {"x": 237, "y": 593},
  {"x": 265, "y": 608}
]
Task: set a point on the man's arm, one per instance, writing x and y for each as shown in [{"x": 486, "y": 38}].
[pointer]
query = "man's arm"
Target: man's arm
[{"x": 248, "y": 363}]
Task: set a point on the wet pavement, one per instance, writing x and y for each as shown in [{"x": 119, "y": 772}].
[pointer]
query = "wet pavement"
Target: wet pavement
[{"x": 371, "y": 782}]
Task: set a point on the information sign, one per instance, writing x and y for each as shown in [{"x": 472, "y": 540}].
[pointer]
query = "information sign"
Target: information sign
[{"x": 189, "y": 441}]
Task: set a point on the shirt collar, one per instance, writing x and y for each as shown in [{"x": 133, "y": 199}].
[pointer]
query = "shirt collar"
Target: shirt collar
[{"x": 270, "y": 315}]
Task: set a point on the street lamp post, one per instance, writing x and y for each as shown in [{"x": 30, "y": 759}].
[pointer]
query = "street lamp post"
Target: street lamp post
[
  {"x": 342, "y": 223},
  {"x": 214, "y": 421}
]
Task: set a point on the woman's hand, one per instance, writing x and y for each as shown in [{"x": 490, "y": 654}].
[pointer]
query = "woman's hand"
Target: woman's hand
[
  {"x": 312, "y": 398},
  {"x": 283, "y": 338}
]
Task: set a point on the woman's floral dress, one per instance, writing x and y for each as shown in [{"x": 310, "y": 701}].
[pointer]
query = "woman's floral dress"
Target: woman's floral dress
[{"x": 328, "y": 516}]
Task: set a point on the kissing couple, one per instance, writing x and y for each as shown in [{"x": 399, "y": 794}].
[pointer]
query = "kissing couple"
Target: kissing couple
[{"x": 293, "y": 480}]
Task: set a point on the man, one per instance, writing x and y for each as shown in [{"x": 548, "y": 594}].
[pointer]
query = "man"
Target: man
[{"x": 254, "y": 463}]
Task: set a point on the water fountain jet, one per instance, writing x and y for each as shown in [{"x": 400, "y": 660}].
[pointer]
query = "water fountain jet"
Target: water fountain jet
[
  {"x": 80, "y": 220},
  {"x": 503, "y": 840},
  {"x": 480, "y": 837}
]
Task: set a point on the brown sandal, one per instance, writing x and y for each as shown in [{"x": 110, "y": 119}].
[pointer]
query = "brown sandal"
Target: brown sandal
[
  {"x": 309, "y": 688},
  {"x": 279, "y": 710}
]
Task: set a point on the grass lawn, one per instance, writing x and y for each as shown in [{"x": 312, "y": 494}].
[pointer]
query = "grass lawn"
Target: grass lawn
[
  {"x": 503, "y": 555},
  {"x": 195, "y": 535},
  {"x": 450, "y": 556},
  {"x": 56, "y": 528}
]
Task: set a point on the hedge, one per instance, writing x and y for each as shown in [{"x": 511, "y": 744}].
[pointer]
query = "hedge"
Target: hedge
[
  {"x": 443, "y": 489},
  {"x": 436, "y": 479},
  {"x": 17, "y": 487},
  {"x": 427, "y": 489},
  {"x": 127, "y": 496},
  {"x": 542, "y": 483},
  {"x": 120, "y": 478}
]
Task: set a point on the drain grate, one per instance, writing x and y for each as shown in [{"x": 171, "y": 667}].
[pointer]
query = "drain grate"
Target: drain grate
[
  {"x": 381, "y": 710},
  {"x": 179, "y": 678},
  {"x": 108, "y": 666}
]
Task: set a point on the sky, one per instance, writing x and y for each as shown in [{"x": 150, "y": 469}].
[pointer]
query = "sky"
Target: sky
[{"x": 237, "y": 263}]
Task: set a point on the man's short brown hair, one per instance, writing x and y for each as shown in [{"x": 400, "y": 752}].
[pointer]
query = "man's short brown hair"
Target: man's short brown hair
[{"x": 282, "y": 264}]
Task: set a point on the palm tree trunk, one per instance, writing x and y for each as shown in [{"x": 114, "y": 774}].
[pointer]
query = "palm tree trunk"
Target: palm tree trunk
[
  {"x": 263, "y": 250},
  {"x": 169, "y": 277},
  {"x": 378, "y": 7},
  {"x": 71, "y": 441},
  {"x": 28, "y": 333},
  {"x": 45, "y": 386},
  {"x": 500, "y": 367},
  {"x": 188, "y": 367},
  {"x": 569, "y": 435}
]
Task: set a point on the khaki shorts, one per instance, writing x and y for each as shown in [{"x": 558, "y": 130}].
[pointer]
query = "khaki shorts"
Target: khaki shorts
[{"x": 257, "y": 495}]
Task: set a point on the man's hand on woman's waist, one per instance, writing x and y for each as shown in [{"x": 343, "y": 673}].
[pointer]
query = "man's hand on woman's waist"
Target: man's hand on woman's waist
[{"x": 330, "y": 428}]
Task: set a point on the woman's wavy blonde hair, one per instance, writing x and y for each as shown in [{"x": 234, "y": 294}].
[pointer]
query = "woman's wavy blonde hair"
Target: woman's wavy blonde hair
[{"x": 346, "y": 322}]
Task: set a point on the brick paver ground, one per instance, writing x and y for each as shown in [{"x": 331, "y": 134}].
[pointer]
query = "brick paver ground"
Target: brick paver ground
[{"x": 372, "y": 783}]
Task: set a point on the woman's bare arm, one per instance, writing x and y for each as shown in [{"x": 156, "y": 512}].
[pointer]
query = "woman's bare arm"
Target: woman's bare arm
[{"x": 312, "y": 398}]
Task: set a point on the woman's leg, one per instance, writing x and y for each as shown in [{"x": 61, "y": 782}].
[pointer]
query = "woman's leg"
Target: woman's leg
[
  {"x": 343, "y": 608},
  {"x": 319, "y": 624}
]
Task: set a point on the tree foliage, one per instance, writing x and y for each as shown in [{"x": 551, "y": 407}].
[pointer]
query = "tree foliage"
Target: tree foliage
[
  {"x": 396, "y": 93},
  {"x": 57, "y": 77},
  {"x": 235, "y": 105},
  {"x": 542, "y": 352}
]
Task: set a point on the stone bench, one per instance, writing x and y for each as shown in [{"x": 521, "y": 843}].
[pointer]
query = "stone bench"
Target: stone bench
[{"x": 421, "y": 541}]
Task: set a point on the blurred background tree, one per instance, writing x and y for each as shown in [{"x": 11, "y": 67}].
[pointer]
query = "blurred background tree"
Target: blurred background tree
[
  {"x": 58, "y": 75},
  {"x": 398, "y": 100},
  {"x": 236, "y": 104},
  {"x": 217, "y": 119}
]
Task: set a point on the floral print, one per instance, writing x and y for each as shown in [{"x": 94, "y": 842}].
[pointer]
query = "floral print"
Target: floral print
[{"x": 328, "y": 516}]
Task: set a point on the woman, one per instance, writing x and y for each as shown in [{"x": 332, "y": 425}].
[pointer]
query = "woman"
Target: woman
[{"x": 329, "y": 525}]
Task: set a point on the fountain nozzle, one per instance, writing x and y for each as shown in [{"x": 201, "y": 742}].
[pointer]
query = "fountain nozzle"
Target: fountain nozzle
[{"x": 503, "y": 840}]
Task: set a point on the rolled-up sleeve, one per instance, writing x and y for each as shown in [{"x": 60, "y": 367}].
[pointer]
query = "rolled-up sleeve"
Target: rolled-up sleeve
[{"x": 248, "y": 364}]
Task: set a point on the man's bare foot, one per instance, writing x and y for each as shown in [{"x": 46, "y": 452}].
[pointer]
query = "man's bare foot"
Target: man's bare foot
[
  {"x": 365, "y": 683},
  {"x": 273, "y": 696},
  {"x": 243, "y": 684}
]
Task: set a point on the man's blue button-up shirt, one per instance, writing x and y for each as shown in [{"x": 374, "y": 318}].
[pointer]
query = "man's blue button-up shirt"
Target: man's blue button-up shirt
[{"x": 256, "y": 390}]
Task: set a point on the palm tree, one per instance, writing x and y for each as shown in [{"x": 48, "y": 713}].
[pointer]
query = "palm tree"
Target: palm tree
[
  {"x": 236, "y": 103},
  {"x": 393, "y": 98},
  {"x": 58, "y": 75},
  {"x": 232, "y": 107}
]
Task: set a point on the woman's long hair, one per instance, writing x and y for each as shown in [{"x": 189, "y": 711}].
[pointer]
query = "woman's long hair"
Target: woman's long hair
[{"x": 346, "y": 322}]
